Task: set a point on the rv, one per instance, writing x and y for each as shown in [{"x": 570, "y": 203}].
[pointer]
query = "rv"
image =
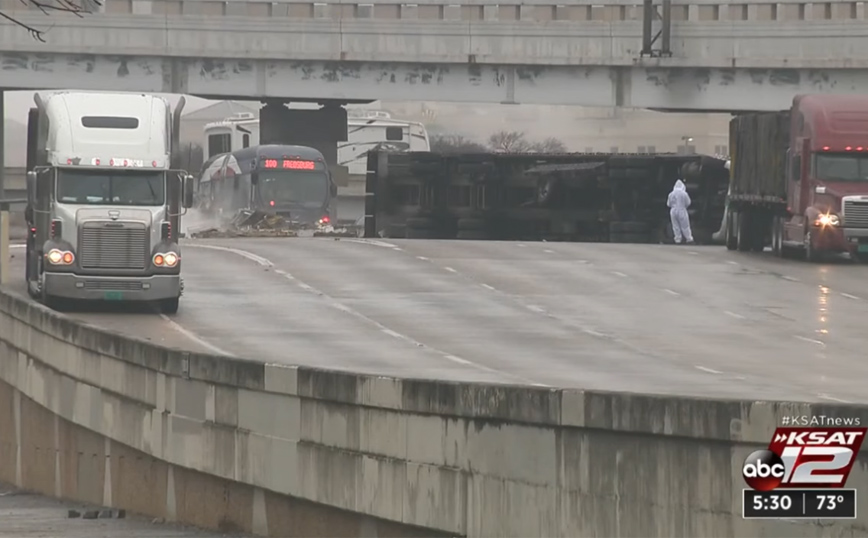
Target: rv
[{"x": 104, "y": 205}]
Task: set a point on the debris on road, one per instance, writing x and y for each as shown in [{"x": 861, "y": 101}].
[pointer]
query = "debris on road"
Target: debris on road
[{"x": 249, "y": 223}]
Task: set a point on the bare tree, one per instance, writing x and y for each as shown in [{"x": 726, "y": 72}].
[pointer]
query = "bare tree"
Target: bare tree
[
  {"x": 455, "y": 144},
  {"x": 508, "y": 142},
  {"x": 549, "y": 145},
  {"x": 79, "y": 8},
  {"x": 516, "y": 142}
]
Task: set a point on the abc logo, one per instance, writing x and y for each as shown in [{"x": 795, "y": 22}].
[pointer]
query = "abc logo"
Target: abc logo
[{"x": 763, "y": 470}]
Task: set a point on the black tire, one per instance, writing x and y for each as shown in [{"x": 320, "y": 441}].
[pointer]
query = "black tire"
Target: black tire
[
  {"x": 475, "y": 235},
  {"x": 811, "y": 255},
  {"x": 743, "y": 241},
  {"x": 420, "y": 233},
  {"x": 629, "y": 238},
  {"x": 467, "y": 225},
  {"x": 635, "y": 227},
  {"x": 394, "y": 231},
  {"x": 170, "y": 306},
  {"x": 419, "y": 223},
  {"x": 732, "y": 231}
]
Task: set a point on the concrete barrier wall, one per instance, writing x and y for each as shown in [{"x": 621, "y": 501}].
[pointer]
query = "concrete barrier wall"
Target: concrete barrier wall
[{"x": 284, "y": 451}]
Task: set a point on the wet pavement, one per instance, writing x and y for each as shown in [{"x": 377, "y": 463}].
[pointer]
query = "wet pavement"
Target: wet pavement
[
  {"x": 645, "y": 318},
  {"x": 24, "y": 515}
]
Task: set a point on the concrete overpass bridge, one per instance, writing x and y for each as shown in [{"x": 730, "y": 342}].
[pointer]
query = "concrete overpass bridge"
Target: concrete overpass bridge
[{"x": 724, "y": 56}]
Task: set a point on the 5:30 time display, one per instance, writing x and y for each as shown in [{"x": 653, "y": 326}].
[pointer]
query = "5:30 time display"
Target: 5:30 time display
[{"x": 830, "y": 503}]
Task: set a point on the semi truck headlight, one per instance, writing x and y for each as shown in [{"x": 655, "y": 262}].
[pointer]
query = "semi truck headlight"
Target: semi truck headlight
[
  {"x": 60, "y": 257},
  {"x": 167, "y": 259},
  {"x": 827, "y": 220}
]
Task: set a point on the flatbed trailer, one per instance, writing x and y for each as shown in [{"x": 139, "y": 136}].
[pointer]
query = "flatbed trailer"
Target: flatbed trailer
[{"x": 594, "y": 197}]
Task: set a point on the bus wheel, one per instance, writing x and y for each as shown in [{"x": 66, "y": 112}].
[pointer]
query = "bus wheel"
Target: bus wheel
[{"x": 170, "y": 306}]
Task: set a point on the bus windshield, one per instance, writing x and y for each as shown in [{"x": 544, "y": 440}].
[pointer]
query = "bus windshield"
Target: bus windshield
[
  {"x": 293, "y": 188},
  {"x": 111, "y": 187},
  {"x": 838, "y": 167}
]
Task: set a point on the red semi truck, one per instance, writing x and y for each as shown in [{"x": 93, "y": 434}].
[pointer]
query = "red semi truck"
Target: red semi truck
[{"x": 799, "y": 179}]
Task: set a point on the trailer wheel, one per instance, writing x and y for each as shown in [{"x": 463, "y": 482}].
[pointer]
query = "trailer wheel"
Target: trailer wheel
[
  {"x": 743, "y": 240},
  {"x": 628, "y": 227},
  {"x": 420, "y": 223},
  {"x": 477, "y": 235},
  {"x": 732, "y": 231},
  {"x": 170, "y": 306},
  {"x": 778, "y": 237},
  {"x": 630, "y": 238},
  {"x": 467, "y": 225}
]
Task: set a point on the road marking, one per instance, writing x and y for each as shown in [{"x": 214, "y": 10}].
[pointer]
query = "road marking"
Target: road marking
[
  {"x": 459, "y": 360},
  {"x": 708, "y": 370},
  {"x": 619, "y": 273},
  {"x": 547, "y": 251},
  {"x": 334, "y": 303},
  {"x": 195, "y": 338},
  {"x": 520, "y": 245},
  {"x": 486, "y": 286},
  {"x": 833, "y": 399},
  {"x": 790, "y": 278},
  {"x": 451, "y": 270},
  {"x": 373, "y": 242},
  {"x": 423, "y": 258},
  {"x": 534, "y": 308},
  {"x": 733, "y": 314},
  {"x": 671, "y": 292},
  {"x": 849, "y": 296},
  {"x": 693, "y": 252},
  {"x": 811, "y": 340},
  {"x": 732, "y": 262}
]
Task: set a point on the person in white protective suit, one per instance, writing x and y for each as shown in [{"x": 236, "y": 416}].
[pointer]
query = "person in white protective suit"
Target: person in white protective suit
[{"x": 678, "y": 203}]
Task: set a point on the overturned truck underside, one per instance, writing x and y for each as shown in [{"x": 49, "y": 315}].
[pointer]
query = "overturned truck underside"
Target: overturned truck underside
[{"x": 564, "y": 197}]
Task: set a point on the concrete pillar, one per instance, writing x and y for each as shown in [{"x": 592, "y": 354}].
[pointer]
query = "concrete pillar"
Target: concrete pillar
[{"x": 322, "y": 129}]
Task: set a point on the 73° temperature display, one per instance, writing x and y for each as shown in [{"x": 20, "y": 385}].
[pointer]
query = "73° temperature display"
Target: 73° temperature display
[{"x": 829, "y": 503}]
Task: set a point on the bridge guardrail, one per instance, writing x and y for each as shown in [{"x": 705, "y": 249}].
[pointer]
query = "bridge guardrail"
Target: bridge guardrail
[{"x": 606, "y": 11}]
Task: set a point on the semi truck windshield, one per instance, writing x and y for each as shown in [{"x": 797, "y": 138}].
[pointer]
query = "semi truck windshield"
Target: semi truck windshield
[
  {"x": 293, "y": 187},
  {"x": 842, "y": 167},
  {"x": 111, "y": 187}
]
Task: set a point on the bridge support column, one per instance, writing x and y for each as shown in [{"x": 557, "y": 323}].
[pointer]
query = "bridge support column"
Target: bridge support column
[
  {"x": 322, "y": 129},
  {"x": 2, "y": 145}
]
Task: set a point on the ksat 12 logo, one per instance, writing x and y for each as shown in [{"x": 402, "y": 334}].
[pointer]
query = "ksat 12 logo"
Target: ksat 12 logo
[{"x": 804, "y": 458}]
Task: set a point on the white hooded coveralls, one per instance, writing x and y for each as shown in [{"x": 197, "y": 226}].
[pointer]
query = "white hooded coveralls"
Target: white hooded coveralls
[{"x": 678, "y": 203}]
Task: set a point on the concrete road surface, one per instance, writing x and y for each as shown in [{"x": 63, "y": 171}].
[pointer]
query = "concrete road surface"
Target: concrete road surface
[
  {"x": 24, "y": 515},
  {"x": 647, "y": 318}
]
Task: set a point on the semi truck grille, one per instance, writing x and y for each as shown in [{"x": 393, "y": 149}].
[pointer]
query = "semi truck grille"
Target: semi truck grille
[
  {"x": 113, "y": 285},
  {"x": 855, "y": 214},
  {"x": 113, "y": 245}
]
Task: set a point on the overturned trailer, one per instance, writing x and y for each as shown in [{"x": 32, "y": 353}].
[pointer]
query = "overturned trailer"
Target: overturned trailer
[{"x": 564, "y": 197}]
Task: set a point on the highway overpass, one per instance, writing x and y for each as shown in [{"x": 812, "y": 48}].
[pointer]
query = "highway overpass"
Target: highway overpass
[{"x": 752, "y": 55}]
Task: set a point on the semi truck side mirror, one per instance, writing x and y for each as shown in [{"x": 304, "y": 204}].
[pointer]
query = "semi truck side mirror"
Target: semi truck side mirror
[{"x": 189, "y": 190}]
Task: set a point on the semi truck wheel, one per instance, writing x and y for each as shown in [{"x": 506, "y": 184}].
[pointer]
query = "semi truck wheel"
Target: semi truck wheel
[
  {"x": 811, "y": 253},
  {"x": 732, "y": 231},
  {"x": 170, "y": 306}
]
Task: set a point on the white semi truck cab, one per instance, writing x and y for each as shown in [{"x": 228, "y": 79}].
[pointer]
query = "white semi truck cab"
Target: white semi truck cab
[{"x": 104, "y": 199}]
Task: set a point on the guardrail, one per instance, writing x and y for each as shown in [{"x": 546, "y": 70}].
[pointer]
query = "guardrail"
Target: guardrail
[
  {"x": 483, "y": 10},
  {"x": 5, "y": 206},
  {"x": 291, "y": 451}
]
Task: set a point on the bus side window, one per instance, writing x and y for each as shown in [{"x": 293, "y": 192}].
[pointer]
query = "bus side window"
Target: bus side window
[{"x": 394, "y": 134}]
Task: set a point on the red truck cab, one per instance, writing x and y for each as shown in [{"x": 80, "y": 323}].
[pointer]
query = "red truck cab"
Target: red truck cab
[{"x": 827, "y": 176}]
